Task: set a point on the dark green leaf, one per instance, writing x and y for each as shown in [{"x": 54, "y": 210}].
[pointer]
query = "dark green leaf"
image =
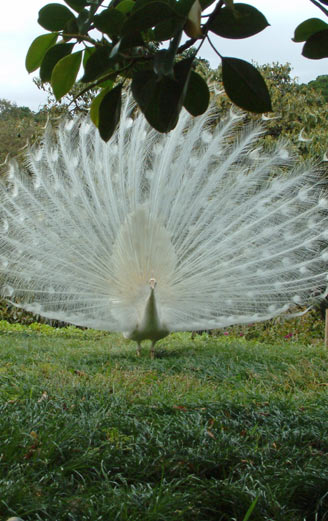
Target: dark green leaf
[
  {"x": 144, "y": 3},
  {"x": 240, "y": 21},
  {"x": 128, "y": 41},
  {"x": 245, "y": 85},
  {"x": 161, "y": 100},
  {"x": 94, "y": 107},
  {"x": 167, "y": 29},
  {"x": 164, "y": 58},
  {"x": 64, "y": 74},
  {"x": 163, "y": 63},
  {"x": 138, "y": 4},
  {"x": 131, "y": 40},
  {"x": 109, "y": 112},
  {"x": 206, "y": 3},
  {"x": 110, "y": 21},
  {"x": 83, "y": 22},
  {"x": 70, "y": 28},
  {"x": 316, "y": 47},
  {"x": 307, "y": 28},
  {"x": 125, "y": 6},
  {"x": 52, "y": 56},
  {"x": 87, "y": 53},
  {"x": 107, "y": 83},
  {"x": 182, "y": 71},
  {"x": 38, "y": 49},
  {"x": 143, "y": 66},
  {"x": 183, "y": 6},
  {"x": 158, "y": 99},
  {"x": 54, "y": 17},
  {"x": 197, "y": 96},
  {"x": 148, "y": 16},
  {"x": 77, "y": 5},
  {"x": 97, "y": 64}
]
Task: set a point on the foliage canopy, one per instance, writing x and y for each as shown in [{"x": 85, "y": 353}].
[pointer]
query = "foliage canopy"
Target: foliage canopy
[
  {"x": 120, "y": 40},
  {"x": 129, "y": 49}
]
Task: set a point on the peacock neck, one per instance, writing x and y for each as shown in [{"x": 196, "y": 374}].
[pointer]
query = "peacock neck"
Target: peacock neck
[
  {"x": 151, "y": 319},
  {"x": 150, "y": 327}
]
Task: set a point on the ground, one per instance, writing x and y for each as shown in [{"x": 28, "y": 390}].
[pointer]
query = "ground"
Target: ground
[{"x": 89, "y": 431}]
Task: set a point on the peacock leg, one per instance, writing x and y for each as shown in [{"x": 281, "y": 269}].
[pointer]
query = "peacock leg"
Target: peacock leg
[
  {"x": 138, "y": 349},
  {"x": 152, "y": 350}
]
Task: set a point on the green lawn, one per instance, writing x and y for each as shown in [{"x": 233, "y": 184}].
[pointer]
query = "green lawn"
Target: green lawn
[{"x": 90, "y": 432}]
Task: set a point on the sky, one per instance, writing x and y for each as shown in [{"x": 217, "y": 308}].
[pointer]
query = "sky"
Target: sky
[{"x": 19, "y": 27}]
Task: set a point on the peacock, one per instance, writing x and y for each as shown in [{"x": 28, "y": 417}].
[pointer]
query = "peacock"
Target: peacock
[{"x": 153, "y": 233}]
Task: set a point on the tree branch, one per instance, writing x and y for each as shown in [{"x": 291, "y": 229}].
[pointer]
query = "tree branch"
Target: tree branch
[
  {"x": 101, "y": 80},
  {"x": 214, "y": 49},
  {"x": 186, "y": 45},
  {"x": 81, "y": 38},
  {"x": 320, "y": 6}
]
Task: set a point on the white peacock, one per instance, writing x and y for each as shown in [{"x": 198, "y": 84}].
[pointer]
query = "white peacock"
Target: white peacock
[{"x": 152, "y": 233}]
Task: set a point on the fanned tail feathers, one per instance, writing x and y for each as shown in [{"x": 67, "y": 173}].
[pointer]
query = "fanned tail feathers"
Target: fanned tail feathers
[{"x": 229, "y": 236}]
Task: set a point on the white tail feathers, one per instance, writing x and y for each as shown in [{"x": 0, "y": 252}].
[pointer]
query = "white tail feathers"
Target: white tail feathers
[{"x": 228, "y": 236}]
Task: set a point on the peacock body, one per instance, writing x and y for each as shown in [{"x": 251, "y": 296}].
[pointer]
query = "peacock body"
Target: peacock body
[{"x": 153, "y": 233}]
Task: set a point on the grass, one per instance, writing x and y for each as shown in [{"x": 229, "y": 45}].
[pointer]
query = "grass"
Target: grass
[{"x": 90, "y": 432}]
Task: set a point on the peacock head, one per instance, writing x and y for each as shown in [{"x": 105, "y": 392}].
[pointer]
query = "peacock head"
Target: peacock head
[{"x": 152, "y": 283}]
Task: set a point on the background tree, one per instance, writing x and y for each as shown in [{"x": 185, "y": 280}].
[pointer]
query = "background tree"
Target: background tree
[
  {"x": 17, "y": 126},
  {"x": 320, "y": 84},
  {"x": 300, "y": 111}
]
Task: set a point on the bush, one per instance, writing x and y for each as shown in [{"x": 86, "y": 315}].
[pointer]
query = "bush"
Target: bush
[
  {"x": 306, "y": 329},
  {"x": 15, "y": 315}
]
